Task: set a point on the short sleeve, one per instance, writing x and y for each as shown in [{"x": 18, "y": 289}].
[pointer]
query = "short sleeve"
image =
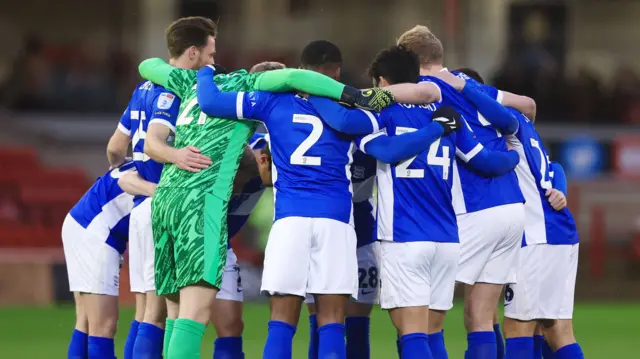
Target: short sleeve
[
  {"x": 467, "y": 146},
  {"x": 166, "y": 107},
  {"x": 125, "y": 122}
]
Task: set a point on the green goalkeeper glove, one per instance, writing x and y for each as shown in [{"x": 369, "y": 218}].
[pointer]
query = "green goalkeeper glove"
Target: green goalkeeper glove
[{"x": 374, "y": 99}]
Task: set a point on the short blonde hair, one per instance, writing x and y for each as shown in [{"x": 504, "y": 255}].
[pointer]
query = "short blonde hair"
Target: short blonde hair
[
  {"x": 424, "y": 43},
  {"x": 267, "y": 66}
]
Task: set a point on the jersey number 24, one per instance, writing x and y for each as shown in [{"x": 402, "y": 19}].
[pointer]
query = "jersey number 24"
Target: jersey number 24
[{"x": 444, "y": 161}]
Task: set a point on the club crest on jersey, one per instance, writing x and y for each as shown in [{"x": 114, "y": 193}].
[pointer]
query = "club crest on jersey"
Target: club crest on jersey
[{"x": 165, "y": 100}]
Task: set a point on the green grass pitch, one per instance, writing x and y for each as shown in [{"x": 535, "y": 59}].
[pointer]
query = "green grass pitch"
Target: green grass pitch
[{"x": 605, "y": 331}]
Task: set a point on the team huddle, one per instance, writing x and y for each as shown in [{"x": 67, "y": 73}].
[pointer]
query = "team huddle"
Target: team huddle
[{"x": 386, "y": 196}]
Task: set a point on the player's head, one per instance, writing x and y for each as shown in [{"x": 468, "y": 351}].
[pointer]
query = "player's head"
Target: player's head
[
  {"x": 267, "y": 66},
  {"x": 471, "y": 73},
  {"x": 322, "y": 56},
  {"x": 192, "y": 41},
  {"x": 394, "y": 65},
  {"x": 263, "y": 160},
  {"x": 424, "y": 43}
]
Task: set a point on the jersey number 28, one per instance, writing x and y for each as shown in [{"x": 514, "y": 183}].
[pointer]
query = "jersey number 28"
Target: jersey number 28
[{"x": 444, "y": 161}]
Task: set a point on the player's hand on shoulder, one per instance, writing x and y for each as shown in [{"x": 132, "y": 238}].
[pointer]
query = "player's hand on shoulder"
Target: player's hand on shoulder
[
  {"x": 374, "y": 99},
  {"x": 557, "y": 199},
  {"x": 448, "y": 118},
  {"x": 190, "y": 159},
  {"x": 453, "y": 80}
]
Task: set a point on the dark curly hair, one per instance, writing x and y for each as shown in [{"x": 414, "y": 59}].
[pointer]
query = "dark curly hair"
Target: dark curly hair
[{"x": 396, "y": 64}]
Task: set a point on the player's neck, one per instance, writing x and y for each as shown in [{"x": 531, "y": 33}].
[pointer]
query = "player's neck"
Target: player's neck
[
  {"x": 427, "y": 70},
  {"x": 180, "y": 62}
]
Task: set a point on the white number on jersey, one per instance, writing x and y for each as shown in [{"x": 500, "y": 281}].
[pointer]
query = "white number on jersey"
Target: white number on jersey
[
  {"x": 543, "y": 165},
  {"x": 402, "y": 170},
  {"x": 185, "y": 119},
  {"x": 140, "y": 134},
  {"x": 298, "y": 157}
]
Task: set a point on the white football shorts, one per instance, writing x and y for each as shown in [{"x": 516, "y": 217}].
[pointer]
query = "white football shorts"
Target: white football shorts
[
  {"x": 141, "y": 249},
  {"x": 310, "y": 255},
  {"x": 92, "y": 265},
  {"x": 546, "y": 283},
  {"x": 490, "y": 240},
  {"x": 418, "y": 274},
  {"x": 231, "y": 287}
]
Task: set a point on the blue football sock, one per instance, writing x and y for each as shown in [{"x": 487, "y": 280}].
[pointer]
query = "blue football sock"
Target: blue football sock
[
  {"x": 481, "y": 345},
  {"x": 399, "y": 347},
  {"x": 415, "y": 346},
  {"x": 131, "y": 339},
  {"x": 148, "y": 342},
  {"x": 313, "y": 337},
  {"x": 78, "y": 346},
  {"x": 571, "y": 351},
  {"x": 547, "y": 352},
  {"x": 101, "y": 348},
  {"x": 331, "y": 341},
  {"x": 538, "y": 342},
  {"x": 436, "y": 344},
  {"x": 520, "y": 348},
  {"x": 279, "y": 340},
  {"x": 228, "y": 348},
  {"x": 357, "y": 337},
  {"x": 499, "y": 341}
]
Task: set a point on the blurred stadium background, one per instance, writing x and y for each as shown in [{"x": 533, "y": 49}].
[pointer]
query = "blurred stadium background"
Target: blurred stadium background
[{"x": 68, "y": 67}]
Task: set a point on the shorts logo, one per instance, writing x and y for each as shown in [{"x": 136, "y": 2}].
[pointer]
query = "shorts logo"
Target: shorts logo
[
  {"x": 508, "y": 294},
  {"x": 165, "y": 100}
]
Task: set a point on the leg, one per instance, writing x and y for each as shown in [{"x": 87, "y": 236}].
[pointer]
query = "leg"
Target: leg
[
  {"x": 480, "y": 302},
  {"x": 227, "y": 313},
  {"x": 102, "y": 311},
  {"x": 559, "y": 335},
  {"x": 135, "y": 324},
  {"x": 312, "y": 352},
  {"x": 173, "y": 309},
  {"x": 331, "y": 309},
  {"x": 357, "y": 327},
  {"x": 284, "y": 278},
  {"x": 541, "y": 348},
  {"x": 498, "y": 332},
  {"x": 151, "y": 331},
  {"x": 78, "y": 347}
]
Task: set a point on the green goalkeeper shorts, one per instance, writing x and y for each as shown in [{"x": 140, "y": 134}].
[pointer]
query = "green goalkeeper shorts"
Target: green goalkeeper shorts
[{"x": 190, "y": 238}]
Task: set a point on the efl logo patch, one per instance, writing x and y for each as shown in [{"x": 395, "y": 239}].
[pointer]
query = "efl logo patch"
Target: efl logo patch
[{"x": 165, "y": 101}]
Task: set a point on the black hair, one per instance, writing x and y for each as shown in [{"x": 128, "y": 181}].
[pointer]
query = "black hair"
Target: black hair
[
  {"x": 471, "y": 73},
  {"x": 321, "y": 53},
  {"x": 396, "y": 64}
]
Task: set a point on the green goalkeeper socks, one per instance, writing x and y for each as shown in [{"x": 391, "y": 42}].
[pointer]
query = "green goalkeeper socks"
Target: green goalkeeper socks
[
  {"x": 168, "y": 331},
  {"x": 186, "y": 339}
]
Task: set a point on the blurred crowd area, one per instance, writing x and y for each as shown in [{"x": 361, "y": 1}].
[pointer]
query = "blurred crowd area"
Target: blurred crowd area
[{"x": 68, "y": 78}]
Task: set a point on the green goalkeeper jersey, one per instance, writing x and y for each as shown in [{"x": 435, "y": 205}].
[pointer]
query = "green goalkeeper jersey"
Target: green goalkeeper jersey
[{"x": 222, "y": 140}]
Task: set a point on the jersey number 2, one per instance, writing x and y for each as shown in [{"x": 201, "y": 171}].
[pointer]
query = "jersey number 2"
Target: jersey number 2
[
  {"x": 298, "y": 156},
  {"x": 402, "y": 169}
]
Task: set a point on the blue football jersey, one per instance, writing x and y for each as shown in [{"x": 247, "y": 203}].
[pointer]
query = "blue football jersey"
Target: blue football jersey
[
  {"x": 311, "y": 161},
  {"x": 104, "y": 210},
  {"x": 363, "y": 176},
  {"x": 478, "y": 192},
  {"x": 414, "y": 196},
  {"x": 241, "y": 204},
  {"x": 150, "y": 103},
  {"x": 543, "y": 224}
]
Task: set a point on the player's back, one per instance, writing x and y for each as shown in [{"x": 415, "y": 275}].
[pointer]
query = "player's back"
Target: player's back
[
  {"x": 414, "y": 196},
  {"x": 104, "y": 209},
  {"x": 543, "y": 224},
  {"x": 478, "y": 192},
  {"x": 149, "y": 103},
  {"x": 311, "y": 161}
]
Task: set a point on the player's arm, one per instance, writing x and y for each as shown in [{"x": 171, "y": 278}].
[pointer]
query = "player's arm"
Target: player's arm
[
  {"x": 172, "y": 78},
  {"x": 119, "y": 142},
  {"x": 480, "y": 160},
  {"x": 317, "y": 84},
  {"x": 524, "y": 104},
  {"x": 346, "y": 120},
  {"x": 491, "y": 109},
  {"x": 558, "y": 194},
  {"x": 417, "y": 94},
  {"x": 133, "y": 184}
]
